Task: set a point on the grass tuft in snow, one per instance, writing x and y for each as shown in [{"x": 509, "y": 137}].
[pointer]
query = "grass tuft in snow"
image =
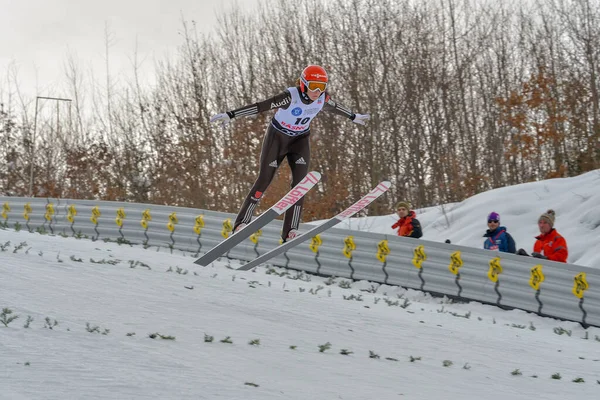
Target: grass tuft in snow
[
  {"x": 353, "y": 297},
  {"x": 103, "y": 261},
  {"x": 28, "y": 322},
  {"x": 372, "y": 289},
  {"x": 119, "y": 241},
  {"x": 208, "y": 338},
  {"x": 467, "y": 315},
  {"x": 273, "y": 271},
  {"x": 315, "y": 291},
  {"x": 251, "y": 384},
  {"x": 578, "y": 380},
  {"x": 133, "y": 264},
  {"x": 392, "y": 303},
  {"x": 158, "y": 335},
  {"x": 372, "y": 354},
  {"x": 300, "y": 276},
  {"x": 447, "y": 363},
  {"x": 324, "y": 347},
  {"x": 345, "y": 284},
  {"x": 227, "y": 340},
  {"x": 413, "y": 359},
  {"x": 516, "y": 372},
  {"x": 330, "y": 281},
  {"x": 254, "y": 342},
  {"x": 561, "y": 331},
  {"x": 556, "y": 376},
  {"x": 531, "y": 327},
  {"x": 49, "y": 324},
  {"x": 20, "y": 246},
  {"x": 346, "y": 352},
  {"x": 95, "y": 329},
  {"x": 6, "y": 316}
]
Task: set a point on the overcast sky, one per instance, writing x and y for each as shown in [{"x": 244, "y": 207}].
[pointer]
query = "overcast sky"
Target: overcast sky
[{"x": 37, "y": 35}]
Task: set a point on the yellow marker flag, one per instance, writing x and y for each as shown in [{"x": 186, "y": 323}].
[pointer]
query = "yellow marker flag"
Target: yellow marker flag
[
  {"x": 537, "y": 277},
  {"x": 419, "y": 257},
  {"x": 495, "y": 269}
]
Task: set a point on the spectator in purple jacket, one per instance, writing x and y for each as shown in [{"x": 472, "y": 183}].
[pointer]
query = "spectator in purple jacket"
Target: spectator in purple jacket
[{"x": 497, "y": 238}]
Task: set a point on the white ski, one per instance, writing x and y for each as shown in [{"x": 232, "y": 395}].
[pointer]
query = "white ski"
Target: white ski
[
  {"x": 311, "y": 179},
  {"x": 347, "y": 213}
]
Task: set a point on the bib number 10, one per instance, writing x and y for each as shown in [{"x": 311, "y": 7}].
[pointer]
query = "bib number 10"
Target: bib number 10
[{"x": 302, "y": 121}]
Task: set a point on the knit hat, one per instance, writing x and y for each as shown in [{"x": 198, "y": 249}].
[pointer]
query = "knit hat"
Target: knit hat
[
  {"x": 404, "y": 204},
  {"x": 494, "y": 215},
  {"x": 549, "y": 216}
]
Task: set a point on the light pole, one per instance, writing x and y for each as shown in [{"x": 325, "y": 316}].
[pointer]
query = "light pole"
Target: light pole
[{"x": 37, "y": 99}]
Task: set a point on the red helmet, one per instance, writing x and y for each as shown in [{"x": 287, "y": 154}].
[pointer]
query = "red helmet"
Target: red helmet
[{"x": 314, "y": 77}]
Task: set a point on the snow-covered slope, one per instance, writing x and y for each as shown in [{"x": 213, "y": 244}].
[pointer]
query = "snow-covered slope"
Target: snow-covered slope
[
  {"x": 94, "y": 306},
  {"x": 576, "y": 202}
]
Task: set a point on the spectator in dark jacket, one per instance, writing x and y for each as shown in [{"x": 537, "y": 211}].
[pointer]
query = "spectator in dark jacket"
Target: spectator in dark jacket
[
  {"x": 408, "y": 225},
  {"x": 497, "y": 236}
]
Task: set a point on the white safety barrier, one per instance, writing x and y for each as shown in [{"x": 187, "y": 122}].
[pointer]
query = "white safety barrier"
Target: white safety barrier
[{"x": 547, "y": 288}]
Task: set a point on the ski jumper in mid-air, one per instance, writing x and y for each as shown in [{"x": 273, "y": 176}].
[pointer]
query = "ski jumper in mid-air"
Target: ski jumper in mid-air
[{"x": 288, "y": 136}]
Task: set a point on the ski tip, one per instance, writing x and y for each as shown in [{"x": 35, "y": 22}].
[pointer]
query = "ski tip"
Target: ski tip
[
  {"x": 200, "y": 262},
  {"x": 315, "y": 174}
]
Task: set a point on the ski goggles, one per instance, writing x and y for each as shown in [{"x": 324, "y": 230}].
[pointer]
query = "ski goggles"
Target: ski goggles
[{"x": 314, "y": 85}]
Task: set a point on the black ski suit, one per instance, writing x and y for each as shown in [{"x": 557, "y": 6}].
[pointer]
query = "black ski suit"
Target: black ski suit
[{"x": 279, "y": 143}]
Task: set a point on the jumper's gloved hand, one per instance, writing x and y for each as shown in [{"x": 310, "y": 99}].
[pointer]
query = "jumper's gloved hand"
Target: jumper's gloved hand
[
  {"x": 223, "y": 118},
  {"x": 522, "y": 252},
  {"x": 361, "y": 119},
  {"x": 538, "y": 255}
]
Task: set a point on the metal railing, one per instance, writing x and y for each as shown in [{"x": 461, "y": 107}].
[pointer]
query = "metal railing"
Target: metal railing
[{"x": 547, "y": 288}]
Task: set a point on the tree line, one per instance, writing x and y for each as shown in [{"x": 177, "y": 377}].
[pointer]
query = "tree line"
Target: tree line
[{"x": 465, "y": 96}]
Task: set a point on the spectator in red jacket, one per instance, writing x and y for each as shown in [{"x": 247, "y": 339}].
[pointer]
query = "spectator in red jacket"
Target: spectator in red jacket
[
  {"x": 408, "y": 225},
  {"x": 549, "y": 245}
]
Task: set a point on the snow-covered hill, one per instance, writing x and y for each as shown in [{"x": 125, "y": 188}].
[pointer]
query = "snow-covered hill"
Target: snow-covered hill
[
  {"x": 576, "y": 202},
  {"x": 121, "y": 322}
]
